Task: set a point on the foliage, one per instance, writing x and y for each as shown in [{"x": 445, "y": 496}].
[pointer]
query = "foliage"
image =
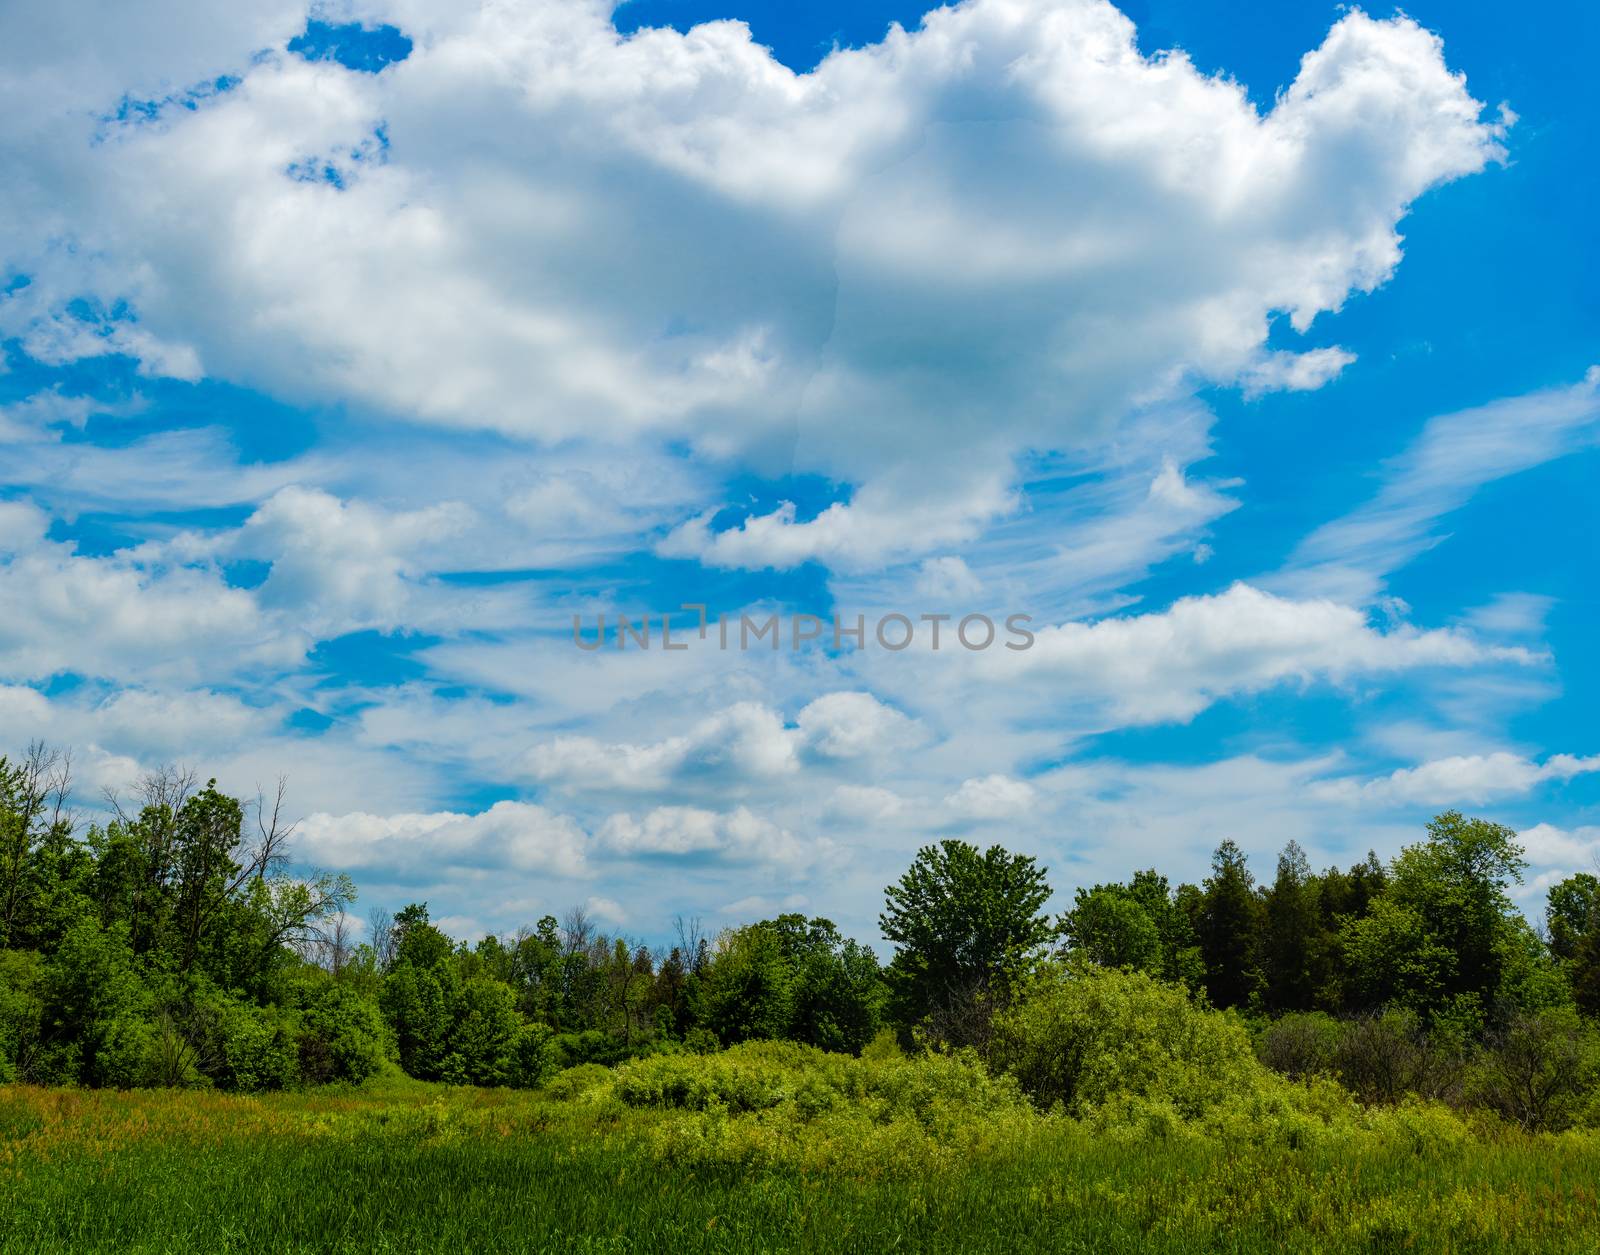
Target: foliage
[
  {"x": 966, "y": 924},
  {"x": 1078, "y": 1035},
  {"x": 1542, "y": 1071},
  {"x": 933, "y": 1155}
]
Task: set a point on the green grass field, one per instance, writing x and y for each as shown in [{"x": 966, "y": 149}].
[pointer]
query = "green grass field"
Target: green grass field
[{"x": 912, "y": 1162}]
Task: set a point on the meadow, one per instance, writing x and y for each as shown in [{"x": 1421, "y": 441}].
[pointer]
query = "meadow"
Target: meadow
[{"x": 776, "y": 1147}]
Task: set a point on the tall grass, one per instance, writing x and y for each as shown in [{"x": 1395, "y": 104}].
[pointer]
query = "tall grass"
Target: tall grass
[{"x": 773, "y": 1148}]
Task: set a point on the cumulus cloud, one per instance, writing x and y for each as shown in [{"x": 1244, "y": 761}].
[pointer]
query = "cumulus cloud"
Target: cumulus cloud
[
  {"x": 141, "y": 611},
  {"x": 1461, "y": 779},
  {"x": 515, "y": 835},
  {"x": 743, "y": 745},
  {"x": 853, "y": 725},
  {"x": 350, "y": 563},
  {"x": 997, "y": 232},
  {"x": 691, "y": 832},
  {"x": 991, "y": 797},
  {"x": 1575, "y": 848},
  {"x": 1172, "y": 664},
  {"x": 745, "y": 742}
]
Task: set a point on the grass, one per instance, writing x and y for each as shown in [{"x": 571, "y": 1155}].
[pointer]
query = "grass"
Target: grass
[{"x": 590, "y": 1165}]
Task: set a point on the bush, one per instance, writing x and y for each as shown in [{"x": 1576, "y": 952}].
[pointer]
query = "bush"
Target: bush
[
  {"x": 1382, "y": 1058},
  {"x": 533, "y": 1057},
  {"x": 21, "y": 1014},
  {"x": 128, "y": 1052},
  {"x": 1079, "y": 1036},
  {"x": 258, "y": 1048},
  {"x": 1541, "y": 1072},
  {"x": 342, "y": 1038},
  {"x": 1300, "y": 1045},
  {"x": 761, "y": 1076},
  {"x": 482, "y": 1034}
]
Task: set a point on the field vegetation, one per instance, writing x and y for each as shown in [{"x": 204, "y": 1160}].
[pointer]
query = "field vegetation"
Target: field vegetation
[{"x": 195, "y": 1056}]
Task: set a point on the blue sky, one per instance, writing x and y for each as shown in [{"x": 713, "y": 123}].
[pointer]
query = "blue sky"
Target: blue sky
[{"x": 349, "y": 353}]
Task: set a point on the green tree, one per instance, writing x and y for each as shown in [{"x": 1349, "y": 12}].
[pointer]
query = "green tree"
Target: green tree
[
  {"x": 966, "y": 924},
  {"x": 1293, "y": 927},
  {"x": 1110, "y": 927},
  {"x": 1444, "y": 938},
  {"x": 1229, "y": 927},
  {"x": 747, "y": 991},
  {"x": 481, "y": 1034},
  {"x": 1572, "y": 909},
  {"x": 1573, "y": 921},
  {"x": 838, "y": 992}
]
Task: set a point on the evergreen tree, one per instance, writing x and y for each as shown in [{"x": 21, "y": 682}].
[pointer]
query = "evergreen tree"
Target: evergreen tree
[
  {"x": 1229, "y": 928},
  {"x": 1293, "y": 927}
]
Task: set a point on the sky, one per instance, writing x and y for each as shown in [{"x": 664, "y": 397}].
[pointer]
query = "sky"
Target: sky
[{"x": 354, "y": 355}]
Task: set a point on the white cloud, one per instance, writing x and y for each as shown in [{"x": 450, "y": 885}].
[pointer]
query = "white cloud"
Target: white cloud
[
  {"x": 760, "y": 906},
  {"x": 852, "y": 802},
  {"x": 1171, "y": 665},
  {"x": 738, "y": 836},
  {"x": 991, "y": 797},
  {"x": 350, "y": 564},
  {"x": 854, "y": 726},
  {"x": 1577, "y": 848},
  {"x": 1295, "y": 372},
  {"x": 737, "y": 748},
  {"x": 745, "y": 742},
  {"x": 515, "y": 835},
  {"x": 999, "y": 232},
  {"x": 607, "y": 910},
  {"x": 138, "y": 612},
  {"x": 1461, "y": 779}
]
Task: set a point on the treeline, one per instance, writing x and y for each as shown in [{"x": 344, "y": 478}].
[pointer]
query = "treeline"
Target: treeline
[{"x": 171, "y": 945}]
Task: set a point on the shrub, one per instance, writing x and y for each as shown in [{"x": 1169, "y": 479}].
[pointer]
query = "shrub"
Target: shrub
[
  {"x": 21, "y": 1014},
  {"x": 533, "y": 1057},
  {"x": 761, "y": 1076},
  {"x": 482, "y": 1033},
  {"x": 128, "y": 1052},
  {"x": 1301, "y": 1044},
  {"x": 342, "y": 1038},
  {"x": 1079, "y": 1036},
  {"x": 258, "y": 1048},
  {"x": 1541, "y": 1071},
  {"x": 1382, "y": 1058}
]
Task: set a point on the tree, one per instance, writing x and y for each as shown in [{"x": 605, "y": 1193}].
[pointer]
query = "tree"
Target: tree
[
  {"x": 418, "y": 942},
  {"x": 1229, "y": 927},
  {"x": 1455, "y": 884},
  {"x": 33, "y": 809},
  {"x": 966, "y": 924},
  {"x": 838, "y": 991},
  {"x": 1293, "y": 925},
  {"x": 747, "y": 991},
  {"x": 1112, "y": 928},
  {"x": 1572, "y": 909},
  {"x": 1573, "y": 921}
]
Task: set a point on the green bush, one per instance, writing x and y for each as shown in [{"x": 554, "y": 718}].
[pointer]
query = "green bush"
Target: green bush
[
  {"x": 21, "y": 1014},
  {"x": 258, "y": 1048},
  {"x": 342, "y": 1038},
  {"x": 128, "y": 1052},
  {"x": 761, "y": 1076},
  {"x": 1300, "y": 1044},
  {"x": 1082, "y": 1035},
  {"x": 1541, "y": 1072}
]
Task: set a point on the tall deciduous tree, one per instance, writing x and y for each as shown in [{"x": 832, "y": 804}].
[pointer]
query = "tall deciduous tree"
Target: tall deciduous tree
[{"x": 965, "y": 923}]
